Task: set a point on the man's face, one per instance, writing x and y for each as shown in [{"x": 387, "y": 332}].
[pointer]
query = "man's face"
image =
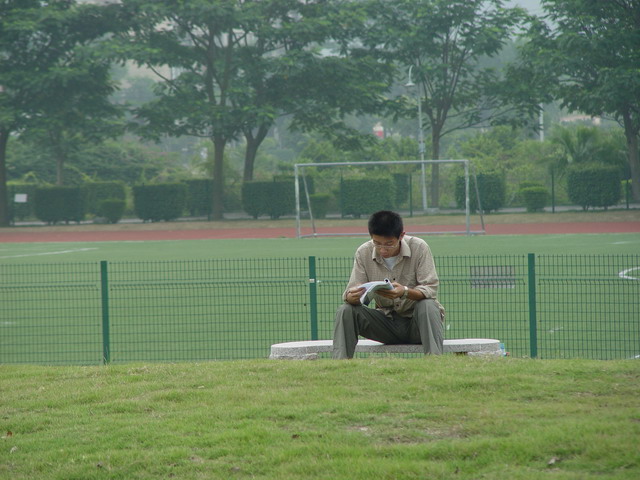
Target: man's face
[{"x": 387, "y": 246}]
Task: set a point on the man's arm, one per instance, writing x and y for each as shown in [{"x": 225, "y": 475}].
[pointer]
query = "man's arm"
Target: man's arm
[
  {"x": 426, "y": 274},
  {"x": 358, "y": 276}
]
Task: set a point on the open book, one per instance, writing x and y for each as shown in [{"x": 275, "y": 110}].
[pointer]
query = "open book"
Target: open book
[{"x": 371, "y": 287}]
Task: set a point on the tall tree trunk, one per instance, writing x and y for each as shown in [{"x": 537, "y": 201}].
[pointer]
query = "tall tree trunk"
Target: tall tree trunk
[
  {"x": 55, "y": 139},
  {"x": 253, "y": 144},
  {"x": 435, "y": 168},
  {"x": 250, "y": 158},
  {"x": 4, "y": 193},
  {"x": 217, "y": 200},
  {"x": 631, "y": 134},
  {"x": 59, "y": 169}
]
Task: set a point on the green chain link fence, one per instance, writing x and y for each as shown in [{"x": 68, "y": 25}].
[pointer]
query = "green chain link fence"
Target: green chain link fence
[{"x": 91, "y": 313}]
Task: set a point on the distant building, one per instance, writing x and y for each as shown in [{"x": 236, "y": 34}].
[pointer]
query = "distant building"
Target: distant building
[
  {"x": 378, "y": 130},
  {"x": 581, "y": 118}
]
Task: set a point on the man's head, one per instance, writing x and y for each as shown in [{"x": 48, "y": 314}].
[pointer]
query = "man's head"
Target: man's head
[
  {"x": 386, "y": 230},
  {"x": 386, "y": 224}
]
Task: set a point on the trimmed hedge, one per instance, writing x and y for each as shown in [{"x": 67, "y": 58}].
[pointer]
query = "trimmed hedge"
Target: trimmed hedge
[
  {"x": 492, "y": 189},
  {"x": 401, "y": 183},
  {"x": 199, "y": 194},
  {"x": 320, "y": 204},
  {"x": 164, "y": 201},
  {"x": 97, "y": 192},
  {"x": 21, "y": 210},
  {"x": 535, "y": 198},
  {"x": 301, "y": 180},
  {"x": 274, "y": 198},
  {"x": 55, "y": 204},
  {"x": 594, "y": 185},
  {"x": 364, "y": 196},
  {"x": 112, "y": 209}
]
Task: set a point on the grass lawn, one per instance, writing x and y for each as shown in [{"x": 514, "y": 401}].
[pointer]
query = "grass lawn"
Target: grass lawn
[{"x": 435, "y": 417}]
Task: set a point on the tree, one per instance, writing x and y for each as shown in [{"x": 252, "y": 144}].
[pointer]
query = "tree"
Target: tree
[
  {"x": 191, "y": 47},
  {"x": 317, "y": 92},
  {"x": 235, "y": 67},
  {"x": 582, "y": 145},
  {"x": 589, "y": 52},
  {"x": 76, "y": 111},
  {"x": 45, "y": 62},
  {"x": 443, "y": 41}
]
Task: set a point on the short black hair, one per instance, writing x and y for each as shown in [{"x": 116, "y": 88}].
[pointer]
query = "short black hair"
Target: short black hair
[{"x": 386, "y": 224}]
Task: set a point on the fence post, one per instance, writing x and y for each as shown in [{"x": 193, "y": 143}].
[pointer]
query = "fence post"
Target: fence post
[
  {"x": 313, "y": 298},
  {"x": 104, "y": 282},
  {"x": 533, "y": 323}
]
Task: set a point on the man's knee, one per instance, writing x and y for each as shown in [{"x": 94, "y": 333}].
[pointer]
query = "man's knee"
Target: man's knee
[
  {"x": 346, "y": 310},
  {"x": 427, "y": 308}
]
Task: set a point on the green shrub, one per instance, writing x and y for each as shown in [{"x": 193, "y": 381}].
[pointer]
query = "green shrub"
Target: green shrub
[
  {"x": 253, "y": 197},
  {"x": 21, "y": 210},
  {"x": 528, "y": 183},
  {"x": 159, "y": 202},
  {"x": 274, "y": 198},
  {"x": 625, "y": 187},
  {"x": 401, "y": 184},
  {"x": 54, "y": 204},
  {"x": 492, "y": 189},
  {"x": 199, "y": 196},
  {"x": 112, "y": 209},
  {"x": 320, "y": 204},
  {"x": 364, "y": 196},
  {"x": 535, "y": 198},
  {"x": 594, "y": 185},
  {"x": 232, "y": 198},
  {"x": 308, "y": 179},
  {"x": 97, "y": 192}
]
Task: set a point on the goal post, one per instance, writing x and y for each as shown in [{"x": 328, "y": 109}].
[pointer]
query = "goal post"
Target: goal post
[{"x": 299, "y": 174}]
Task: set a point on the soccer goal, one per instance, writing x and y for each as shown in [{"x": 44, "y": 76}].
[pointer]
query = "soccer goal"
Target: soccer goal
[{"x": 328, "y": 179}]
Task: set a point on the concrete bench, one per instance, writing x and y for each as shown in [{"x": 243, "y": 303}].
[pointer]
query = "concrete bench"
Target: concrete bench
[{"x": 309, "y": 350}]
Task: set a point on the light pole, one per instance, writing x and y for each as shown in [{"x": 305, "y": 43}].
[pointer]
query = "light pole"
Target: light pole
[{"x": 410, "y": 84}]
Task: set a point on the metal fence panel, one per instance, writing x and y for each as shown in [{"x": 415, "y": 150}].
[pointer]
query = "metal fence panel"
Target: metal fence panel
[
  {"x": 547, "y": 306},
  {"x": 50, "y": 313},
  {"x": 588, "y": 306},
  {"x": 486, "y": 297},
  {"x": 206, "y": 309}
]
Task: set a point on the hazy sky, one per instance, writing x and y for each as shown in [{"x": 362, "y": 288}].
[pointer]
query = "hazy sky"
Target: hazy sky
[{"x": 532, "y": 5}]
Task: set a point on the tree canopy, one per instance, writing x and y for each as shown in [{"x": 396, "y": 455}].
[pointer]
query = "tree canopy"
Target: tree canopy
[
  {"x": 442, "y": 42},
  {"x": 232, "y": 68},
  {"x": 587, "y": 52},
  {"x": 52, "y": 82},
  {"x": 229, "y": 70}
]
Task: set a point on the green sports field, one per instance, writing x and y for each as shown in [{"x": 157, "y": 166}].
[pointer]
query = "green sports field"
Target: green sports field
[
  {"x": 220, "y": 299},
  {"x": 578, "y": 244}
]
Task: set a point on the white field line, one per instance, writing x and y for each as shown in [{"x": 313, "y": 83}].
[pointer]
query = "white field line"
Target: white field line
[
  {"x": 625, "y": 274},
  {"x": 50, "y": 253}
]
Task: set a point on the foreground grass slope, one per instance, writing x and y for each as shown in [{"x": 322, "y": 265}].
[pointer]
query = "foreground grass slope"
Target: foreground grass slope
[{"x": 436, "y": 417}]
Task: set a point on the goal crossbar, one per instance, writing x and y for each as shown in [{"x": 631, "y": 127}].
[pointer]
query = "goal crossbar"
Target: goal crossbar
[{"x": 298, "y": 171}]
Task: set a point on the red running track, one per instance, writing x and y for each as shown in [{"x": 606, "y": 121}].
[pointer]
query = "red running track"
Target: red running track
[{"x": 33, "y": 235}]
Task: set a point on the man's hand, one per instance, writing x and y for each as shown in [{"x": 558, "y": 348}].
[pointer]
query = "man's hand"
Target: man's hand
[
  {"x": 354, "y": 294},
  {"x": 397, "y": 292}
]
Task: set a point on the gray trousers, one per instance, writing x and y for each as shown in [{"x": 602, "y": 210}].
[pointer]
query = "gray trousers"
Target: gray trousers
[{"x": 425, "y": 327}]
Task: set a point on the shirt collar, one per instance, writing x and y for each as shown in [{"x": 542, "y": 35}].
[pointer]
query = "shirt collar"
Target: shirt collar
[{"x": 405, "y": 251}]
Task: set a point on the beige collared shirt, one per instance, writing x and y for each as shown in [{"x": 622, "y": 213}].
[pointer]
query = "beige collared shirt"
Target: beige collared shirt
[{"x": 414, "y": 268}]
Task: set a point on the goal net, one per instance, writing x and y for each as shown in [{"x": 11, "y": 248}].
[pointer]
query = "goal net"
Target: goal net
[{"x": 355, "y": 189}]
